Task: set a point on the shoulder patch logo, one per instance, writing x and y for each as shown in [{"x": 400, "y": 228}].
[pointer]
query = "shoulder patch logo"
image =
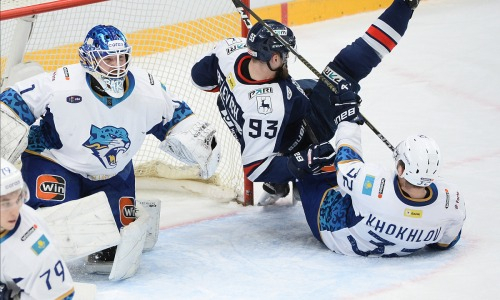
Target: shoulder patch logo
[
  {"x": 413, "y": 213},
  {"x": 368, "y": 185},
  {"x": 447, "y": 199},
  {"x": 234, "y": 48},
  {"x": 233, "y": 40},
  {"x": 231, "y": 81},
  {"x": 381, "y": 188},
  {"x": 27, "y": 234},
  {"x": 74, "y": 99},
  {"x": 66, "y": 73},
  {"x": 41, "y": 244},
  {"x": 288, "y": 93}
]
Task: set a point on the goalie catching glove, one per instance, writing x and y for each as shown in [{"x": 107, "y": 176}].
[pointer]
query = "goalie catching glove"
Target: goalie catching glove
[
  {"x": 193, "y": 142},
  {"x": 311, "y": 160}
]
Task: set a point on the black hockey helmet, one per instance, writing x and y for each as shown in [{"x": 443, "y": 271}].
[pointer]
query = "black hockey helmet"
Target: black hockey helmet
[{"x": 262, "y": 44}]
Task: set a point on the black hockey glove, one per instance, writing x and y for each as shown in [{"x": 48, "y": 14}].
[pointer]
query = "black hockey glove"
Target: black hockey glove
[
  {"x": 311, "y": 160},
  {"x": 279, "y": 189},
  {"x": 5, "y": 293},
  {"x": 346, "y": 104}
]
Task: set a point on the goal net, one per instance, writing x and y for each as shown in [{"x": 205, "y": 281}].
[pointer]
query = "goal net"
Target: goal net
[{"x": 167, "y": 37}]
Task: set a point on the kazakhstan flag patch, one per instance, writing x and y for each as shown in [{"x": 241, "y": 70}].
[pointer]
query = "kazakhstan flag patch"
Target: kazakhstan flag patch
[
  {"x": 368, "y": 185},
  {"x": 40, "y": 245}
]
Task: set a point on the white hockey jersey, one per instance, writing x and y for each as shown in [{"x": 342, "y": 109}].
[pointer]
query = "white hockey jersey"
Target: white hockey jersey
[
  {"x": 264, "y": 116},
  {"x": 384, "y": 221},
  {"x": 30, "y": 265},
  {"x": 93, "y": 135}
]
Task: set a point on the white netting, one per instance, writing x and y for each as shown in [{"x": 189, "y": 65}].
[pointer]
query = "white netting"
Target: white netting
[{"x": 167, "y": 37}]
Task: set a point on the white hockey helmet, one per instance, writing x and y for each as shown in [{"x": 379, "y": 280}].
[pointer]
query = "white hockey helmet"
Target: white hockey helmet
[
  {"x": 421, "y": 157},
  {"x": 10, "y": 178}
]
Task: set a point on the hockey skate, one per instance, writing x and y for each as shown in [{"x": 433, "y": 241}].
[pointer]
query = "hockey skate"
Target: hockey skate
[{"x": 100, "y": 262}]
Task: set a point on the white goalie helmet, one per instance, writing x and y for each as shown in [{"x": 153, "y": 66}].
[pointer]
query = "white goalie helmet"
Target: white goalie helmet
[
  {"x": 105, "y": 54},
  {"x": 421, "y": 157},
  {"x": 10, "y": 178}
]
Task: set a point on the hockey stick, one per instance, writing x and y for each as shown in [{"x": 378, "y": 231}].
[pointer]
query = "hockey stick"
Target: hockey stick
[{"x": 241, "y": 7}]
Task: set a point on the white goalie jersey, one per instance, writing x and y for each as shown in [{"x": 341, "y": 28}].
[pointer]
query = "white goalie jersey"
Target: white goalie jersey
[
  {"x": 31, "y": 266},
  {"x": 93, "y": 135},
  {"x": 382, "y": 220}
]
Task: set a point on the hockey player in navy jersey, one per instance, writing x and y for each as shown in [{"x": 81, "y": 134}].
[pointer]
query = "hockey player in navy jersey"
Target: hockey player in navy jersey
[
  {"x": 30, "y": 266},
  {"x": 88, "y": 120},
  {"x": 266, "y": 109}
]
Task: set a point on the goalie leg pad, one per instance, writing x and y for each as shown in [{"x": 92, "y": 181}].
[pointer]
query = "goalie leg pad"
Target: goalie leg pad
[
  {"x": 82, "y": 226},
  {"x": 128, "y": 252},
  {"x": 153, "y": 209}
]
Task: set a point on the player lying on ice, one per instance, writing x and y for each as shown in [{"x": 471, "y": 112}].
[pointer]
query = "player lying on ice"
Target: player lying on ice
[
  {"x": 86, "y": 122},
  {"x": 362, "y": 208},
  {"x": 266, "y": 110}
]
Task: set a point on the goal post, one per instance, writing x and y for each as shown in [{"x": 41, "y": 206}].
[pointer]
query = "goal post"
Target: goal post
[{"x": 167, "y": 37}]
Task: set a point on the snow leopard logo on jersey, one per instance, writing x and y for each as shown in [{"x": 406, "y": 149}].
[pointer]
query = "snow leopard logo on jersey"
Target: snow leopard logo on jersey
[{"x": 106, "y": 143}]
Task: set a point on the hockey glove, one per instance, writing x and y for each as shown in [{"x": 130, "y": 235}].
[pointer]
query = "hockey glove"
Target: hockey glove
[
  {"x": 311, "y": 160},
  {"x": 273, "y": 192},
  {"x": 195, "y": 146},
  {"x": 346, "y": 104}
]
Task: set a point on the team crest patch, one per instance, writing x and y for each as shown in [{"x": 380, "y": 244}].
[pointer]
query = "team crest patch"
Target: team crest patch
[
  {"x": 50, "y": 187},
  {"x": 127, "y": 210},
  {"x": 74, "y": 99},
  {"x": 368, "y": 185},
  {"x": 264, "y": 105},
  {"x": 41, "y": 244},
  {"x": 106, "y": 143}
]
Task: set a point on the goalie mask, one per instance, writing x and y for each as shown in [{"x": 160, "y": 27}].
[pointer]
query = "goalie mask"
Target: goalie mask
[
  {"x": 421, "y": 157},
  {"x": 262, "y": 44},
  {"x": 105, "y": 54}
]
